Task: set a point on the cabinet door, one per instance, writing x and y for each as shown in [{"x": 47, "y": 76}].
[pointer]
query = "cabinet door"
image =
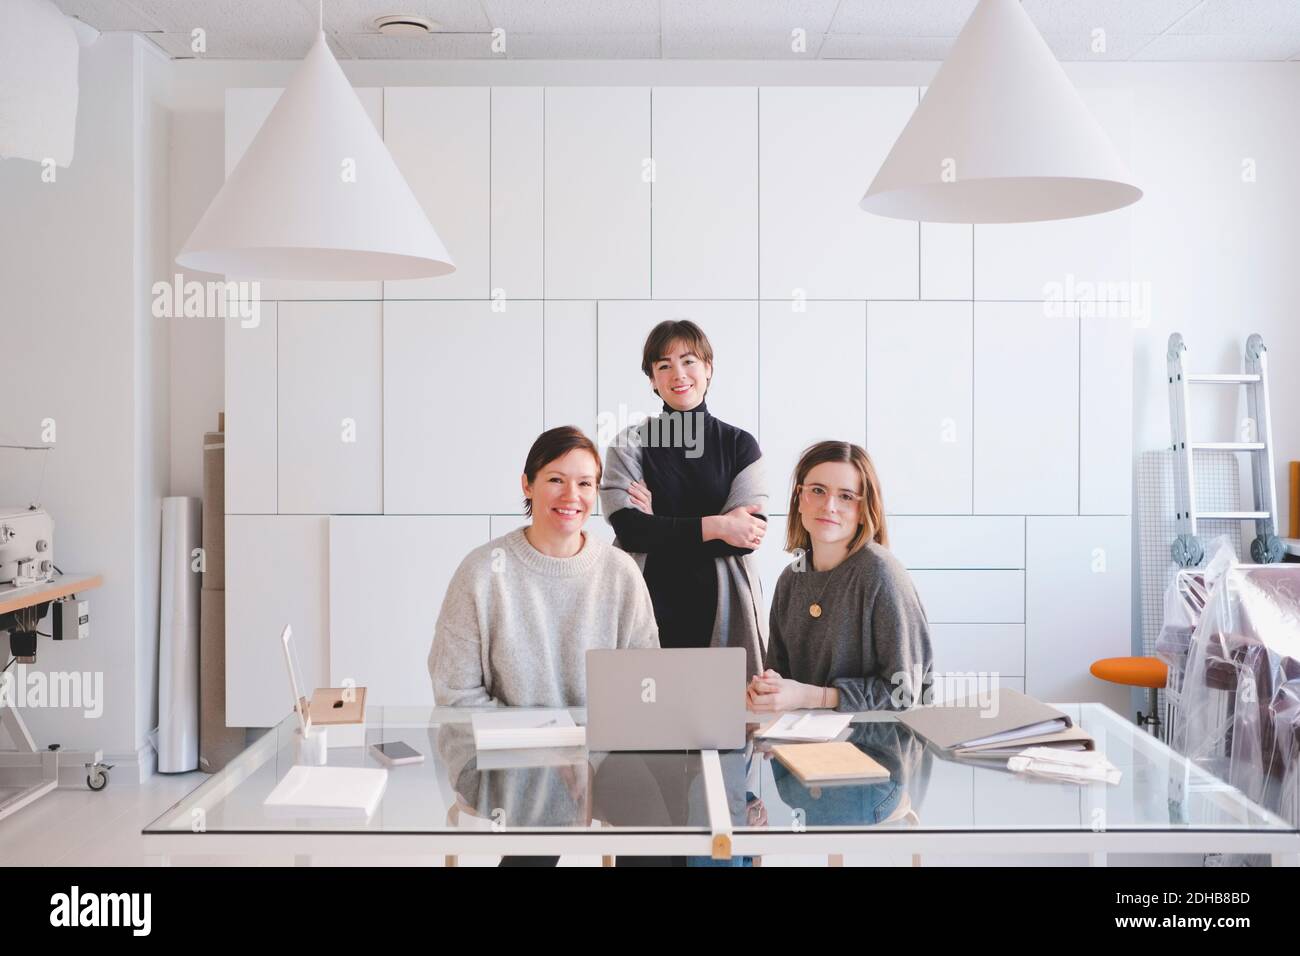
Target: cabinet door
[
  {"x": 952, "y": 542},
  {"x": 705, "y": 193},
  {"x": 919, "y": 404},
  {"x": 382, "y": 612},
  {"x": 517, "y": 191},
  {"x": 439, "y": 137},
  {"x": 1105, "y": 414},
  {"x": 246, "y": 111},
  {"x": 330, "y": 417},
  {"x": 570, "y": 365},
  {"x": 1026, "y": 410},
  {"x": 819, "y": 148},
  {"x": 598, "y": 172},
  {"x": 462, "y": 405},
  {"x": 813, "y": 373},
  {"x": 1077, "y": 606},
  {"x": 277, "y": 569},
  {"x": 251, "y": 484}
]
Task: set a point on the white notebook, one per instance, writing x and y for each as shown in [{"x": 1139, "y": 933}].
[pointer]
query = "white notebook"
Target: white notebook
[
  {"x": 523, "y": 729},
  {"x": 813, "y": 726},
  {"x": 352, "y": 792}
]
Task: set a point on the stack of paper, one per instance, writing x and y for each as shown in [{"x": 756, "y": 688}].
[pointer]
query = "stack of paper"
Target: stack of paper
[
  {"x": 328, "y": 792},
  {"x": 811, "y": 726},
  {"x": 522, "y": 729},
  {"x": 1090, "y": 767}
]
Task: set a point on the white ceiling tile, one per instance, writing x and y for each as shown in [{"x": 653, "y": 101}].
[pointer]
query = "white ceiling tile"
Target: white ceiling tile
[
  {"x": 553, "y": 17},
  {"x": 910, "y": 18},
  {"x": 1222, "y": 48},
  {"x": 242, "y": 46},
  {"x": 1255, "y": 17},
  {"x": 281, "y": 21},
  {"x": 739, "y": 46},
  {"x": 1080, "y": 46},
  {"x": 853, "y": 47},
  {"x": 434, "y": 46},
  {"x": 747, "y": 16},
  {"x": 600, "y": 46},
  {"x": 105, "y": 15},
  {"x": 1142, "y": 18},
  {"x": 358, "y": 16}
]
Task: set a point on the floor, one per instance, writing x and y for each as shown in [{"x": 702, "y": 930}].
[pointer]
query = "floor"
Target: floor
[{"x": 77, "y": 827}]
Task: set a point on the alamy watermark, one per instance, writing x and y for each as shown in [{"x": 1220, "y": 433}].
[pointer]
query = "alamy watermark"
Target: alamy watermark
[
  {"x": 208, "y": 300},
  {"x": 629, "y": 429},
  {"x": 21, "y": 688}
]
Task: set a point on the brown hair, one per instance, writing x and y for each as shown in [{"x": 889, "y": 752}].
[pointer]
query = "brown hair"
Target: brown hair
[
  {"x": 871, "y": 521},
  {"x": 552, "y": 444},
  {"x": 665, "y": 334}
]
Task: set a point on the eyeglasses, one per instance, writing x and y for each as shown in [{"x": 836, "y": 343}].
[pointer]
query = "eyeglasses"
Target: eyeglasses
[{"x": 820, "y": 494}]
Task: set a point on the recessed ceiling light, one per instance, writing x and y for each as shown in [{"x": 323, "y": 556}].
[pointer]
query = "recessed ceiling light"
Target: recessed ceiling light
[{"x": 403, "y": 25}]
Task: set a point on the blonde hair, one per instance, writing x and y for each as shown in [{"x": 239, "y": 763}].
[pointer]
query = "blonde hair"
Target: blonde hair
[{"x": 871, "y": 519}]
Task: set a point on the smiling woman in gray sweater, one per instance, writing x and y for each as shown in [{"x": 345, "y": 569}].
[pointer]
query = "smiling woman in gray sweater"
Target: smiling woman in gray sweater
[
  {"x": 847, "y": 629},
  {"x": 522, "y": 611}
]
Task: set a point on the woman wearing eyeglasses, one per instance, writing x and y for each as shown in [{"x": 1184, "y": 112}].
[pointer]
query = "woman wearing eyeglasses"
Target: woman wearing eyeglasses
[{"x": 847, "y": 629}]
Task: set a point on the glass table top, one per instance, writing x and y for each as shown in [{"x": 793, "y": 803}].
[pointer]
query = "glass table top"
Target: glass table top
[{"x": 457, "y": 789}]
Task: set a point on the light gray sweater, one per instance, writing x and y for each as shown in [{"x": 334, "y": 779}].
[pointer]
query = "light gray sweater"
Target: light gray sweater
[
  {"x": 872, "y": 640},
  {"x": 515, "y": 625}
]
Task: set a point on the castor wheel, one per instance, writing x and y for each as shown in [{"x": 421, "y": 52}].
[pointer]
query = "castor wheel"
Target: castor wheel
[
  {"x": 1266, "y": 549},
  {"x": 97, "y": 779},
  {"x": 1187, "y": 551}
]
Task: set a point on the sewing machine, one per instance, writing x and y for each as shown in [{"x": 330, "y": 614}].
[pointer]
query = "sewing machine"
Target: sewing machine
[{"x": 26, "y": 546}]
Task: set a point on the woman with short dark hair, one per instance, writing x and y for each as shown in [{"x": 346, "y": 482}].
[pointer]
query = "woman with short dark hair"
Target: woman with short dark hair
[{"x": 686, "y": 495}]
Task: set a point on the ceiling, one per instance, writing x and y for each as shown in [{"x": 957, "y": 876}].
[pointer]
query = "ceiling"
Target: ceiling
[{"x": 701, "y": 29}]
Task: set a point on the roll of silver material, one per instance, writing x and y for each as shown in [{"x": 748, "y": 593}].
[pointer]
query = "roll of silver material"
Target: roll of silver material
[{"x": 178, "y": 638}]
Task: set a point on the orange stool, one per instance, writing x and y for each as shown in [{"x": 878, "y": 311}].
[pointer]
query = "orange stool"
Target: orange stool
[{"x": 1149, "y": 672}]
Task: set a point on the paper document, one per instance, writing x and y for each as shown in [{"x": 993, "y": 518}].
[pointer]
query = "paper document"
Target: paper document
[
  {"x": 1087, "y": 767},
  {"x": 522, "y": 729},
  {"x": 816, "y": 726},
  {"x": 328, "y": 792}
]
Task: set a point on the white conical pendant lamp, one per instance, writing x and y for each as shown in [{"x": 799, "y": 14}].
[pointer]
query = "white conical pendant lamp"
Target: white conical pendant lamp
[
  {"x": 317, "y": 195},
  {"x": 1000, "y": 136}
]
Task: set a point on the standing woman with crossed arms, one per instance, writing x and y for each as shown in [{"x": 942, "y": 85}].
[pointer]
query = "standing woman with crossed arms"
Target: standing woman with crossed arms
[{"x": 686, "y": 495}]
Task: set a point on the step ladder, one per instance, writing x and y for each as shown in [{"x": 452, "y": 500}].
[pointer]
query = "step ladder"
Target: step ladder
[{"x": 1188, "y": 550}]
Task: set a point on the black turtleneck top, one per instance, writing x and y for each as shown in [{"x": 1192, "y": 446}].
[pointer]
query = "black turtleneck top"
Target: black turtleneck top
[{"x": 688, "y": 467}]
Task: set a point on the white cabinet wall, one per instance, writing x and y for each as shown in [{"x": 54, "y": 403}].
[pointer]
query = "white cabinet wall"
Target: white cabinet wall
[
  {"x": 919, "y": 366},
  {"x": 578, "y": 218},
  {"x": 1026, "y": 410},
  {"x": 277, "y": 574},
  {"x": 819, "y": 148},
  {"x": 330, "y": 421},
  {"x": 462, "y": 405},
  {"x": 383, "y": 644},
  {"x": 705, "y": 235},
  {"x": 439, "y": 137},
  {"x": 812, "y": 381},
  {"x": 251, "y": 414},
  {"x": 517, "y": 191},
  {"x": 597, "y": 208}
]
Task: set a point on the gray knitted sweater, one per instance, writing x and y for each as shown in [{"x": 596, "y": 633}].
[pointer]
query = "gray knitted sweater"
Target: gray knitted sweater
[
  {"x": 871, "y": 630},
  {"x": 516, "y": 625}
]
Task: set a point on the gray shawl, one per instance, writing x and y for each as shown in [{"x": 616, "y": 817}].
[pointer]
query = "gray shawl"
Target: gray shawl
[{"x": 740, "y": 621}]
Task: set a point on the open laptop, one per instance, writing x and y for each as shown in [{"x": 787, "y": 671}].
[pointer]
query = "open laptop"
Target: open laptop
[{"x": 666, "y": 699}]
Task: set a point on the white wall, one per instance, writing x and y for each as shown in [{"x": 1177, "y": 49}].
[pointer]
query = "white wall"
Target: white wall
[
  {"x": 81, "y": 348},
  {"x": 1215, "y": 250}
]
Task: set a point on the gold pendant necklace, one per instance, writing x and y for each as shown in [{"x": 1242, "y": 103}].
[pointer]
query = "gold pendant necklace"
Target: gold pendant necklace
[{"x": 815, "y": 608}]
